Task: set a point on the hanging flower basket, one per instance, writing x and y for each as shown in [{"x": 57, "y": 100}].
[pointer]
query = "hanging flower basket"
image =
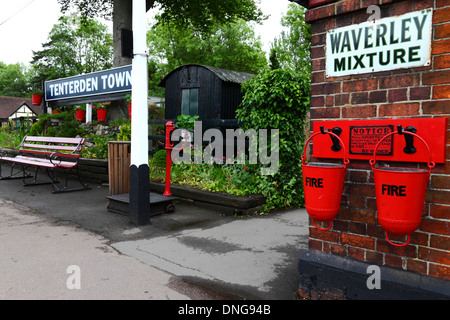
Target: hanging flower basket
[
  {"x": 36, "y": 99},
  {"x": 80, "y": 114},
  {"x": 56, "y": 111},
  {"x": 101, "y": 114}
]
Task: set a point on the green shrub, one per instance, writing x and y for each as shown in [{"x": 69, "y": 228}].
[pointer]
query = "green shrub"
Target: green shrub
[
  {"x": 279, "y": 99},
  {"x": 125, "y": 132},
  {"x": 159, "y": 159}
]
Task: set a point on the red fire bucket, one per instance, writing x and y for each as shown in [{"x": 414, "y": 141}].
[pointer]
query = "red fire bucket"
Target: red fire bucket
[
  {"x": 323, "y": 184},
  {"x": 400, "y": 195}
]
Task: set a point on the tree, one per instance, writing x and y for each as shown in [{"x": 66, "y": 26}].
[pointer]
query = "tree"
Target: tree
[
  {"x": 74, "y": 48},
  {"x": 200, "y": 14},
  {"x": 13, "y": 80},
  {"x": 232, "y": 46},
  {"x": 292, "y": 48}
]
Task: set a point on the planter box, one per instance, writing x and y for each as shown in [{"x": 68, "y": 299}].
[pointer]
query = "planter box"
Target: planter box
[{"x": 218, "y": 201}]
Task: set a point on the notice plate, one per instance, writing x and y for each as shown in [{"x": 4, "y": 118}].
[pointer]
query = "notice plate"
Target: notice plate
[{"x": 364, "y": 139}]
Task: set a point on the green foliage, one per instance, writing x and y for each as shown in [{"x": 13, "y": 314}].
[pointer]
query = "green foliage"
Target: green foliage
[
  {"x": 73, "y": 48},
  {"x": 13, "y": 80},
  {"x": 201, "y": 14},
  {"x": 292, "y": 49},
  {"x": 99, "y": 149},
  {"x": 159, "y": 159},
  {"x": 279, "y": 99},
  {"x": 125, "y": 132},
  {"x": 186, "y": 122},
  {"x": 68, "y": 126}
]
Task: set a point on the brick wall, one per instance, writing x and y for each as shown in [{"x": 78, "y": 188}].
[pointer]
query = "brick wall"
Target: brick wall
[{"x": 417, "y": 92}]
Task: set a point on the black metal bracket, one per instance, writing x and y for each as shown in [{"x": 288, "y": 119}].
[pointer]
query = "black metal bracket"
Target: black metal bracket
[
  {"x": 337, "y": 131},
  {"x": 409, "y": 139}
]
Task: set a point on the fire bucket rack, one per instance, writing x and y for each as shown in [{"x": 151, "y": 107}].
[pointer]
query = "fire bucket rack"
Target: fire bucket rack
[{"x": 400, "y": 191}]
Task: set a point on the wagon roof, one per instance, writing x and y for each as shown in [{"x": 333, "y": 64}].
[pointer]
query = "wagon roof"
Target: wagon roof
[{"x": 222, "y": 74}]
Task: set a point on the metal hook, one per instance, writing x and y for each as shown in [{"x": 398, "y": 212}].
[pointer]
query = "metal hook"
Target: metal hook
[{"x": 409, "y": 139}]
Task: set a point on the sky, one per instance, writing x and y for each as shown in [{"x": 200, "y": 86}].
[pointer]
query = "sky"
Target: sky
[{"x": 25, "y": 25}]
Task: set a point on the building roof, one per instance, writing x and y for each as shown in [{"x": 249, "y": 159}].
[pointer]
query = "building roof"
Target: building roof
[
  {"x": 222, "y": 74},
  {"x": 9, "y": 105},
  {"x": 303, "y": 3}
]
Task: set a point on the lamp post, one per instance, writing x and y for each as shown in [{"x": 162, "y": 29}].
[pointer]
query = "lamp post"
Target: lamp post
[{"x": 139, "y": 207}]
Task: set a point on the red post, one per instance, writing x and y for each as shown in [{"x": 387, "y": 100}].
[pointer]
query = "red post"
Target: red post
[{"x": 169, "y": 147}]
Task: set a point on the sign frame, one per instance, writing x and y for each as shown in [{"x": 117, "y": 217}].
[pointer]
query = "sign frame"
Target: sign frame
[
  {"x": 386, "y": 44},
  {"x": 112, "y": 84}
]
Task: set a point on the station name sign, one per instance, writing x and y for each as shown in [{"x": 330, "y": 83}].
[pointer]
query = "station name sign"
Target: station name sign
[
  {"x": 386, "y": 44},
  {"x": 92, "y": 84}
]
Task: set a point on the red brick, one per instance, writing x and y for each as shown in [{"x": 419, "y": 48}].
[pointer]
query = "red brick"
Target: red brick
[
  {"x": 330, "y": 236},
  {"x": 317, "y": 52},
  {"x": 318, "y": 77},
  {"x": 399, "y": 81},
  {"x": 357, "y": 176},
  {"x": 436, "y": 107},
  {"x": 357, "y": 241},
  {"x": 440, "y": 182},
  {"x": 342, "y": 99},
  {"x": 441, "y": 46},
  {"x": 438, "y": 196},
  {"x": 393, "y": 261},
  {"x": 439, "y": 271},
  {"x": 442, "y": 3},
  {"x": 440, "y": 242},
  {"x": 319, "y": 13},
  {"x": 423, "y": 4},
  {"x": 399, "y": 109},
  {"x": 318, "y": 39},
  {"x": 435, "y": 226},
  {"x": 407, "y": 251},
  {"x": 442, "y": 31},
  {"x": 397, "y": 95},
  {"x": 325, "y": 113},
  {"x": 338, "y": 249},
  {"x": 360, "y": 85},
  {"x": 374, "y": 257},
  {"x": 420, "y": 93},
  {"x": 359, "y": 98},
  {"x": 441, "y": 92},
  {"x": 377, "y": 96},
  {"x": 441, "y": 15},
  {"x": 359, "y": 215},
  {"x": 317, "y": 65},
  {"x": 436, "y": 77},
  {"x": 442, "y": 62},
  {"x": 325, "y": 88},
  {"x": 416, "y": 266},
  {"x": 401, "y": 8},
  {"x": 356, "y": 253},
  {"x": 431, "y": 255},
  {"x": 439, "y": 211},
  {"x": 317, "y": 101}
]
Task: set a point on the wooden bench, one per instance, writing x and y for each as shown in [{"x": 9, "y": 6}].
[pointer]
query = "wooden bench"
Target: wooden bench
[{"x": 48, "y": 154}]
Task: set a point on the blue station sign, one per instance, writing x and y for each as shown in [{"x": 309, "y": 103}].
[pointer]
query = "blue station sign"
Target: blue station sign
[{"x": 98, "y": 83}]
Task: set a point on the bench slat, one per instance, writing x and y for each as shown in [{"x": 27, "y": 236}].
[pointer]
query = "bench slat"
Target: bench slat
[
  {"x": 55, "y": 140},
  {"x": 49, "y": 153},
  {"x": 51, "y": 147},
  {"x": 44, "y": 162}
]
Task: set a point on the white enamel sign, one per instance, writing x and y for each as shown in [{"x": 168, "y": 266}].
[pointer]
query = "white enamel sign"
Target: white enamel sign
[{"x": 391, "y": 43}]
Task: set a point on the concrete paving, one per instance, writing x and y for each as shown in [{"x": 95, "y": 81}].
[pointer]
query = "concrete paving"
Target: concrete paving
[{"x": 193, "y": 253}]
